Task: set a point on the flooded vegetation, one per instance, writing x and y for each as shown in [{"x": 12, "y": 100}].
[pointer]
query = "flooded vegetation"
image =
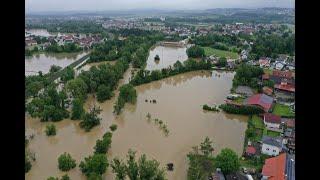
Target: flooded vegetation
[
  {"x": 43, "y": 62},
  {"x": 168, "y": 56},
  {"x": 179, "y": 101}
]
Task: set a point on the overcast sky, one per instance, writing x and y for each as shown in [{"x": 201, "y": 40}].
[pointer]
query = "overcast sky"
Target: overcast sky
[{"x": 98, "y": 5}]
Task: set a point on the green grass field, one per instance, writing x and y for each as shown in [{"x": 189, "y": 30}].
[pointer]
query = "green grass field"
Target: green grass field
[
  {"x": 257, "y": 122},
  {"x": 270, "y": 133},
  {"x": 267, "y": 71},
  {"x": 282, "y": 110},
  {"x": 211, "y": 51}
]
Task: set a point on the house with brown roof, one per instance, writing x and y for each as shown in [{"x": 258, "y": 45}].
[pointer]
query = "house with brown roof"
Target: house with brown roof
[
  {"x": 274, "y": 168},
  {"x": 260, "y": 100},
  {"x": 271, "y": 121}
]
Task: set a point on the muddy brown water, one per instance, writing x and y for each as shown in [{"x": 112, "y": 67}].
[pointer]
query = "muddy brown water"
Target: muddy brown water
[
  {"x": 43, "y": 61},
  {"x": 168, "y": 56},
  {"x": 179, "y": 105}
]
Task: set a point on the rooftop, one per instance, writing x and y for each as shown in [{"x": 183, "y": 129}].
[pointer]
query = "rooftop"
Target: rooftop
[
  {"x": 274, "y": 167},
  {"x": 271, "y": 118},
  {"x": 261, "y": 100},
  {"x": 272, "y": 141}
]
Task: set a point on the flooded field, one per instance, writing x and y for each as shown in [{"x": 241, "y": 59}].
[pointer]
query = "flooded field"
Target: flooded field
[
  {"x": 43, "y": 62},
  {"x": 179, "y": 105},
  {"x": 168, "y": 56}
]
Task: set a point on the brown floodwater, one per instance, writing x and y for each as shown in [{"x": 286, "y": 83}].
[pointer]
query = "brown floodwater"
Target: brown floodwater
[
  {"x": 168, "y": 56},
  {"x": 179, "y": 105},
  {"x": 43, "y": 61}
]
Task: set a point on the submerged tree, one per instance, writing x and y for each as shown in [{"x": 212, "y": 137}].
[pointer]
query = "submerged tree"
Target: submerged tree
[{"x": 91, "y": 119}]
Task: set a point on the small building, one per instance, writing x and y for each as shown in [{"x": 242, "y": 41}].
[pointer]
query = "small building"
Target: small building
[
  {"x": 281, "y": 167},
  {"x": 267, "y": 90},
  {"x": 274, "y": 168},
  {"x": 285, "y": 88},
  {"x": 271, "y": 121},
  {"x": 264, "y": 62},
  {"x": 271, "y": 146},
  {"x": 30, "y": 42},
  {"x": 261, "y": 100},
  {"x": 251, "y": 151},
  {"x": 244, "y": 90}
]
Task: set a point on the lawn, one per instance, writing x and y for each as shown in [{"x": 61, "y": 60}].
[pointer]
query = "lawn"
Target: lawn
[
  {"x": 211, "y": 51},
  {"x": 270, "y": 133},
  {"x": 268, "y": 71},
  {"x": 257, "y": 122},
  {"x": 239, "y": 100},
  {"x": 283, "y": 110}
]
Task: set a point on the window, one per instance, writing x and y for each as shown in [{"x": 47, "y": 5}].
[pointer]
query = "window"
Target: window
[
  {"x": 267, "y": 149},
  {"x": 274, "y": 150}
]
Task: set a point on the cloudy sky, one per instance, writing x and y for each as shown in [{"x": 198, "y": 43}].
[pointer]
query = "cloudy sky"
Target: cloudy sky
[{"x": 98, "y": 5}]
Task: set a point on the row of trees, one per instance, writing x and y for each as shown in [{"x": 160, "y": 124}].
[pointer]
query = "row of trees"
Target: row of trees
[
  {"x": 246, "y": 110},
  {"x": 68, "y": 48},
  {"x": 63, "y": 26},
  {"x": 202, "y": 163},
  {"x": 195, "y": 52},
  {"x": 145, "y": 76},
  {"x": 127, "y": 94},
  {"x": 247, "y": 75},
  {"x": 270, "y": 45},
  {"x": 49, "y": 105}
]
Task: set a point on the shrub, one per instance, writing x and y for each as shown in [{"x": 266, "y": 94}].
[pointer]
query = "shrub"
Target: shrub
[
  {"x": 65, "y": 162},
  {"x": 246, "y": 110},
  {"x": 50, "y": 130},
  {"x": 113, "y": 127}
]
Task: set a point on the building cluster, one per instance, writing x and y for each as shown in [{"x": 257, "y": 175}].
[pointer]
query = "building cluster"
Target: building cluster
[{"x": 82, "y": 40}]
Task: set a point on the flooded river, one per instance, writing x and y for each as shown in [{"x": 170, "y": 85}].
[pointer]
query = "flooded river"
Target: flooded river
[
  {"x": 179, "y": 105},
  {"x": 168, "y": 56},
  {"x": 43, "y": 62}
]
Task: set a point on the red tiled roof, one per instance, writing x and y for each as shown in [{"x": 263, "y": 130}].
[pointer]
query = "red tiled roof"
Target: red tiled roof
[
  {"x": 285, "y": 87},
  {"x": 283, "y": 74},
  {"x": 251, "y": 150},
  {"x": 274, "y": 167},
  {"x": 262, "y": 100},
  {"x": 271, "y": 118}
]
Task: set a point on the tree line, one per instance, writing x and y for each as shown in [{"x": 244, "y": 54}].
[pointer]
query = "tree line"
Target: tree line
[{"x": 146, "y": 76}]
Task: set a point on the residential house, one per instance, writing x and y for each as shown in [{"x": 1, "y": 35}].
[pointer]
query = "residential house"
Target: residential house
[
  {"x": 261, "y": 100},
  {"x": 267, "y": 90},
  {"x": 282, "y": 76},
  {"x": 279, "y": 65},
  {"x": 264, "y": 62},
  {"x": 231, "y": 64},
  {"x": 244, "y": 90},
  {"x": 281, "y": 167},
  {"x": 272, "y": 122},
  {"x": 30, "y": 42},
  {"x": 271, "y": 146},
  {"x": 285, "y": 88}
]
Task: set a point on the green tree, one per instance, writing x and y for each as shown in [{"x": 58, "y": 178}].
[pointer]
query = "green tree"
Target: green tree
[
  {"x": 104, "y": 92},
  {"x": 94, "y": 176},
  {"x": 222, "y": 62},
  {"x": 228, "y": 161},
  {"x": 206, "y": 147},
  {"x": 77, "y": 109},
  {"x": 96, "y": 163},
  {"x": 66, "y": 162},
  {"x": 27, "y": 164},
  {"x": 119, "y": 168},
  {"x": 51, "y": 130},
  {"x": 113, "y": 127},
  {"x": 91, "y": 119},
  {"x": 77, "y": 87},
  {"x": 68, "y": 74},
  {"x": 54, "y": 68},
  {"x": 65, "y": 177},
  {"x": 195, "y": 52},
  {"x": 52, "y": 178},
  {"x": 102, "y": 146}
]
